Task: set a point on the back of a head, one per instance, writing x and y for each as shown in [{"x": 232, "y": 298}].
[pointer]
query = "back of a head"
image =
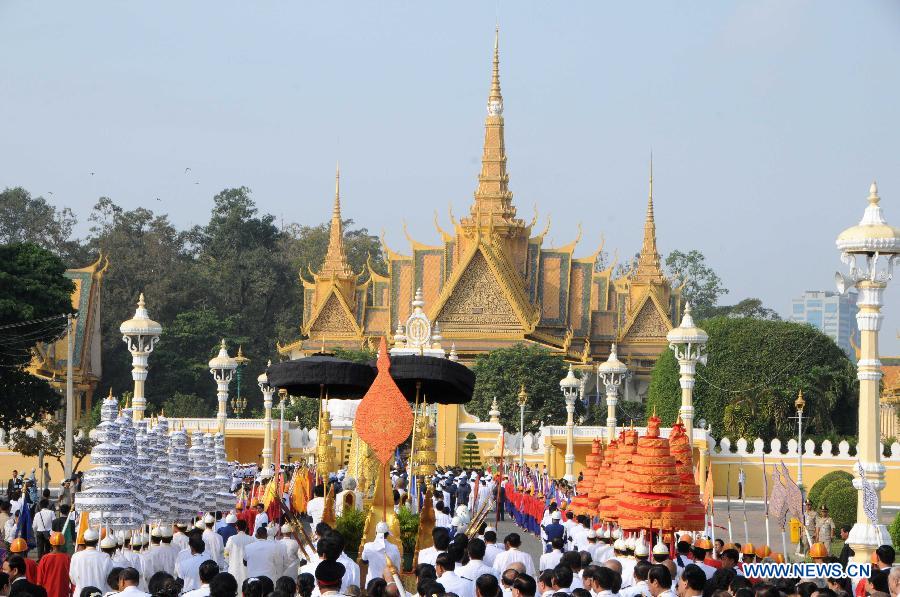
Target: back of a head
[
  {"x": 581, "y": 593},
  {"x": 445, "y": 561},
  {"x": 425, "y": 571},
  {"x": 17, "y": 563},
  {"x": 661, "y": 575},
  {"x": 286, "y": 585},
  {"x": 487, "y": 585},
  {"x": 156, "y": 582},
  {"x": 112, "y": 577},
  {"x": 376, "y": 587},
  {"x": 879, "y": 580},
  {"x": 509, "y": 577},
  {"x": 766, "y": 590},
  {"x": 253, "y": 587},
  {"x": 196, "y": 544},
  {"x": 641, "y": 569},
  {"x": 208, "y": 570},
  {"x": 694, "y": 576},
  {"x": 572, "y": 559},
  {"x": 441, "y": 538},
  {"x": 306, "y": 584},
  {"x": 886, "y": 554},
  {"x": 557, "y": 543},
  {"x": 562, "y": 576},
  {"x": 526, "y": 585},
  {"x": 322, "y": 529},
  {"x": 513, "y": 540},
  {"x": 586, "y": 559},
  {"x": 721, "y": 578},
  {"x": 319, "y": 490},
  {"x": 262, "y": 533},
  {"x": 475, "y": 549},
  {"x": 456, "y": 553},
  {"x": 490, "y": 537},
  {"x": 241, "y": 525},
  {"x": 604, "y": 577},
  {"x": 430, "y": 587},
  {"x": 223, "y": 584},
  {"x": 329, "y": 547},
  {"x": 130, "y": 575}
]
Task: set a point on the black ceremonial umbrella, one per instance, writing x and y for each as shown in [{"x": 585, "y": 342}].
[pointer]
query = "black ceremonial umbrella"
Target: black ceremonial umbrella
[
  {"x": 320, "y": 374},
  {"x": 433, "y": 378}
]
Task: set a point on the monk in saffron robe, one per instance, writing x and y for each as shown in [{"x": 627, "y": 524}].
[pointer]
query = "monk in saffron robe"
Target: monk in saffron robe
[{"x": 53, "y": 569}]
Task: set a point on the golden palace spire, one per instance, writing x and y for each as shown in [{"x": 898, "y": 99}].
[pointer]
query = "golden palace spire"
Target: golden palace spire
[
  {"x": 648, "y": 268},
  {"x": 335, "y": 263},
  {"x": 493, "y": 199}
]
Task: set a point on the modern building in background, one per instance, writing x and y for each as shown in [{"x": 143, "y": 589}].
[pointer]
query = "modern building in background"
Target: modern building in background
[{"x": 830, "y": 312}]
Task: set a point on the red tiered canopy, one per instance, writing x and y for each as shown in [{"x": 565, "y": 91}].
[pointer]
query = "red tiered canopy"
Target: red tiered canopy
[
  {"x": 694, "y": 515},
  {"x": 651, "y": 498},
  {"x": 581, "y": 505},
  {"x": 620, "y": 470},
  {"x": 598, "y": 491}
]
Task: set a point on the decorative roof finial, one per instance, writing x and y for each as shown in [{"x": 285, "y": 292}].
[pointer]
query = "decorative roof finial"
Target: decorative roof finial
[
  {"x": 336, "y": 263},
  {"x": 495, "y": 95},
  {"x": 648, "y": 269}
]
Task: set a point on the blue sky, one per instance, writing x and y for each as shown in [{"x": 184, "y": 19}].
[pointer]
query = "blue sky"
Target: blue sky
[{"x": 767, "y": 120}]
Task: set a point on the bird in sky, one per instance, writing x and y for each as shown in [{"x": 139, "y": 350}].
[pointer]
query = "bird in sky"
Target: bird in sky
[
  {"x": 196, "y": 182},
  {"x": 49, "y": 192},
  {"x": 186, "y": 170},
  {"x": 92, "y": 173}
]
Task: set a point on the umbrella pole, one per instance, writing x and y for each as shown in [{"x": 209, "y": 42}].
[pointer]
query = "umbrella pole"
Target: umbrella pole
[{"x": 412, "y": 441}]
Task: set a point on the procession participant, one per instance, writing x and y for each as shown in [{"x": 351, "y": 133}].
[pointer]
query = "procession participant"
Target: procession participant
[
  {"x": 291, "y": 551},
  {"x": 89, "y": 567},
  {"x": 639, "y": 584},
  {"x": 441, "y": 540},
  {"x": 18, "y": 579},
  {"x": 579, "y": 533},
  {"x": 445, "y": 566},
  {"x": 43, "y": 519},
  {"x": 476, "y": 566},
  {"x": 702, "y": 546},
  {"x": 213, "y": 541},
  {"x": 59, "y": 525},
  {"x": 692, "y": 582},
  {"x": 730, "y": 559},
  {"x": 659, "y": 581},
  {"x": 126, "y": 557},
  {"x": 660, "y": 552},
  {"x": 441, "y": 518},
  {"x": 553, "y": 530},
  {"x": 328, "y": 578},
  {"x": 179, "y": 537},
  {"x": 128, "y": 581},
  {"x": 264, "y": 558},
  {"x": 228, "y": 530},
  {"x": 19, "y": 546},
  {"x": 603, "y": 581},
  {"x": 642, "y": 551},
  {"x": 316, "y": 506},
  {"x": 572, "y": 560},
  {"x": 234, "y": 551},
  {"x": 593, "y": 543},
  {"x": 626, "y": 562},
  {"x": 262, "y": 519},
  {"x": 491, "y": 550},
  {"x": 208, "y": 570},
  {"x": 512, "y": 554},
  {"x": 188, "y": 568},
  {"x": 569, "y": 523},
  {"x": 53, "y": 569},
  {"x": 376, "y": 552},
  {"x": 549, "y": 561}
]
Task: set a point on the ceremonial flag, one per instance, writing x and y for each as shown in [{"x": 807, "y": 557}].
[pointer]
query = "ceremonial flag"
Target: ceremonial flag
[
  {"x": 82, "y": 527},
  {"x": 793, "y": 497},
  {"x": 778, "y": 500},
  {"x": 413, "y": 495},
  {"x": 870, "y": 498},
  {"x": 710, "y": 490},
  {"x": 23, "y": 528}
]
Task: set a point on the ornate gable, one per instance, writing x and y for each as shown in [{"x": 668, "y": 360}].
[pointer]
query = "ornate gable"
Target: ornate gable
[
  {"x": 649, "y": 323},
  {"x": 477, "y": 302},
  {"x": 333, "y": 319}
]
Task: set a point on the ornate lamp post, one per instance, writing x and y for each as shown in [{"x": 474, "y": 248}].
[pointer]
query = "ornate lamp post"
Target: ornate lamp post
[
  {"x": 612, "y": 373},
  {"x": 800, "y": 403},
  {"x": 238, "y": 404},
  {"x": 267, "y": 391},
  {"x": 522, "y": 399},
  {"x": 222, "y": 368},
  {"x": 570, "y": 386},
  {"x": 870, "y": 249},
  {"x": 688, "y": 342},
  {"x": 140, "y": 334}
]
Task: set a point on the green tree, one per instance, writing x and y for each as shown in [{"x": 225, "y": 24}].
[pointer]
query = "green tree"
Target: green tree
[
  {"x": 188, "y": 405},
  {"x": 471, "y": 455},
  {"x": 755, "y": 369},
  {"x": 702, "y": 286},
  {"x": 27, "y": 219},
  {"x": 749, "y": 307},
  {"x": 502, "y": 372},
  {"x": 51, "y": 441},
  {"x": 32, "y": 287},
  {"x": 357, "y": 356}
]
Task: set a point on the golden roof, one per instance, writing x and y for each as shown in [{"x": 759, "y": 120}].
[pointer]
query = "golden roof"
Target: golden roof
[
  {"x": 648, "y": 267},
  {"x": 336, "y": 263}
]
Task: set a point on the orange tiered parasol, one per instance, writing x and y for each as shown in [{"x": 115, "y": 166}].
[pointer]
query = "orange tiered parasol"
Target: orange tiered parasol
[
  {"x": 620, "y": 470},
  {"x": 651, "y": 497},
  {"x": 598, "y": 491},
  {"x": 690, "y": 493},
  {"x": 591, "y": 472}
]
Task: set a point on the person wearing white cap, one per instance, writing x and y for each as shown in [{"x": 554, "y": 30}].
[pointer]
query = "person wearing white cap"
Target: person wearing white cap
[
  {"x": 179, "y": 538},
  {"x": 601, "y": 551},
  {"x": 291, "y": 547},
  {"x": 376, "y": 552},
  {"x": 90, "y": 567},
  {"x": 229, "y": 529},
  {"x": 157, "y": 558},
  {"x": 213, "y": 541},
  {"x": 234, "y": 552}
]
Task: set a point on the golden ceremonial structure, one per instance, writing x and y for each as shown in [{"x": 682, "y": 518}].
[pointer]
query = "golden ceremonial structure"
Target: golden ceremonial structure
[{"x": 492, "y": 283}]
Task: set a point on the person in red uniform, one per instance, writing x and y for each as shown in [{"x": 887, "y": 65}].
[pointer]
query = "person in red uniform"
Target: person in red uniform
[
  {"x": 20, "y": 547},
  {"x": 53, "y": 569}
]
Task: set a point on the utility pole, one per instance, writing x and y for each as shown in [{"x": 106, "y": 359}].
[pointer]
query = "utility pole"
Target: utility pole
[{"x": 70, "y": 397}]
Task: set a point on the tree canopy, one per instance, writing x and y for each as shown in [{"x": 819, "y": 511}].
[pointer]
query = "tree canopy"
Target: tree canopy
[
  {"x": 702, "y": 286},
  {"x": 755, "y": 370},
  {"x": 502, "y": 372},
  {"x": 32, "y": 287}
]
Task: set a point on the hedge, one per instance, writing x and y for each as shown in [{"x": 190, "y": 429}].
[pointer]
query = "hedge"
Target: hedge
[{"x": 815, "y": 493}]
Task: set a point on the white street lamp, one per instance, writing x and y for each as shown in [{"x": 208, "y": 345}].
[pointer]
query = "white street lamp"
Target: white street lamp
[
  {"x": 570, "y": 386},
  {"x": 140, "y": 334},
  {"x": 612, "y": 373},
  {"x": 870, "y": 249},
  {"x": 222, "y": 368},
  {"x": 523, "y": 400},
  {"x": 688, "y": 342},
  {"x": 267, "y": 391}
]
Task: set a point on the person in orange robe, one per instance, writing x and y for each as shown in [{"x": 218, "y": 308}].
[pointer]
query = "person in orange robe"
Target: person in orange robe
[
  {"x": 53, "y": 569},
  {"x": 20, "y": 547}
]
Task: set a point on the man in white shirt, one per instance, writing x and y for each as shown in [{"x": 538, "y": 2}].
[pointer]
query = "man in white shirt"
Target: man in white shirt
[
  {"x": 264, "y": 558},
  {"x": 550, "y": 560},
  {"x": 476, "y": 566},
  {"x": 179, "y": 538},
  {"x": 513, "y": 554},
  {"x": 692, "y": 582},
  {"x": 375, "y": 553},
  {"x": 491, "y": 550},
  {"x": 207, "y": 571},
  {"x": 441, "y": 518},
  {"x": 129, "y": 578},
  {"x": 639, "y": 583},
  {"x": 43, "y": 518},
  {"x": 89, "y": 567},
  {"x": 441, "y": 539},
  {"x": 659, "y": 581},
  {"x": 234, "y": 552},
  {"x": 316, "y": 506},
  {"x": 291, "y": 547},
  {"x": 262, "y": 519},
  {"x": 444, "y": 566},
  {"x": 188, "y": 568},
  {"x": 213, "y": 541}
]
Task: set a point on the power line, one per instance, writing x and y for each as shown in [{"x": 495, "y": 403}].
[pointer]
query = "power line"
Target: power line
[{"x": 33, "y": 321}]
